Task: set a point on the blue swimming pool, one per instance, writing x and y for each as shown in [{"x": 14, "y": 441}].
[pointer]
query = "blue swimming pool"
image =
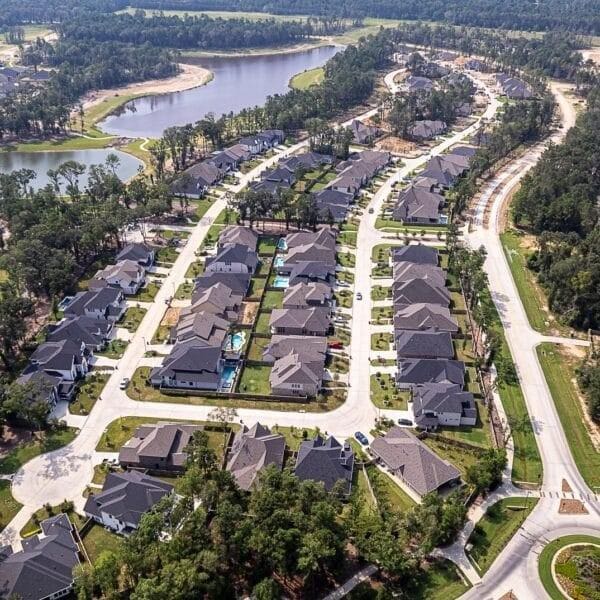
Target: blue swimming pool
[
  {"x": 227, "y": 378},
  {"x": 279, "y": 260},
  {"x": 235, "y": 341},
  {"x": 281, "y": 281},
  {"x": 282, "y": 244}
]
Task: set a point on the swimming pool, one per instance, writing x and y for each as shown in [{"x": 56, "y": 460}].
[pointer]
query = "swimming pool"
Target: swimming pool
[
  {"x": 282, "y": 244},
  {"x": 279, "y": 260},
  {"x": 281, "y": 281},
  {"x": 235, "y": 341},
  {"x": 227, "y": 378}
]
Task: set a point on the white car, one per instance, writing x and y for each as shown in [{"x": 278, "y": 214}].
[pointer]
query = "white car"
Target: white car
[{"x": 124, "y": 383}]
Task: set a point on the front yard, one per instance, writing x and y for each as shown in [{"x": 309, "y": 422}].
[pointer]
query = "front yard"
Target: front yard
[
  {"x": 385, "y": 394},
  {"x": 87, "y": 394},
  {"x": 382, "y": 341},
  {"x": 114, "y": 349},
  {"x": 132, "y": 318}
]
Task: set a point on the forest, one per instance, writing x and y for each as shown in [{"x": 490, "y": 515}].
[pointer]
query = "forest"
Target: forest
[
  {"x": 284, "y": 539},
  {"x": 572, "y": 15},
  {"x": 198, "y": 32}
]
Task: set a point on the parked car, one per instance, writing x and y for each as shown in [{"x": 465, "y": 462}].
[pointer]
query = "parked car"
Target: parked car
[
  {"x": 359, "y": 296},
  {"x": 371, "y": 211},
  {"x": 362, "y": 438},
  {"x": 405, "y": 422},
  {"x": 124, "y": 383},
  {"x": 336, "y": 345}
]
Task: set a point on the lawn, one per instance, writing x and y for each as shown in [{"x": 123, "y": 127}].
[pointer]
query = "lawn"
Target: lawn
[
  {"x": 479, "y": 435},
  {"x": 255, "y": 380},
  {"x": 497, "y": 527},
  {"x": 167, "y": 254},
  {"x": 379, "y": 292},
  {"x": 147, "y": 293},
  {"x": 262, "y": 323},
  {"x": 347, "y": 238},
  {"x": 441, "y": 582},
  {"x": 548, "y": 553},
  {"x": 98, "y": 539},
  {"x": 200, "y": 208},
  {"x": 272, "y": 299},
  {"x": 121, "y": 430},
  {"x": 33, "y": 525},
  {"x": 532, "y": 296},
  {"x": 47, "y": 442},
  {"x": 342, "y": 335},
  {"x": 343, "y": 298},
  {"x": 132, "y": 318},
  {"x": 308, "y": 78},
  {"x": 257, "y": 346},
  {"x": 360, "y": 489},
  {"x": 257, "y": 286},
  {"x": 9, "y": 507},
  {"x": 385, "y": 394},
  {"x": 381, "y": 341},
  {"x": 195, "y": 269},
  {"x": 345, "y": 276},
  {"x": 88, "y": 393},
  {"x": 462, "y": 459},
  {"x": 184, "y": 291},
  {"x": 114, "y": 349},
  {"x": 560, "y": 377},
  {"x": 390, "y": 497},
  {"x": 294, "y": 436},
  {"x": 345, "y": 259},
  {"x": 381, "y": 315},
  {"x": 267, "y": 244}
]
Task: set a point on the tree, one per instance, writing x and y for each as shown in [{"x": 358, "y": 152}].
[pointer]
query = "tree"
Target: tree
[
  {"x": 267, "y": 589},
  {"x": 14, "y": 312},
  {"x": 486, "y": 474},
  {"x": 28, "y": 401}
]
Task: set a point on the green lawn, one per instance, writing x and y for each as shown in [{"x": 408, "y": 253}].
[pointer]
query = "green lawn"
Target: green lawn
[
  {"x": 379, "y": 292},
  {"x": 257, "y": 286},
  {"x": 9, "y": 507},
  {"x": 147, "y": 293},
  {"x": 195, "y": 269},
  {"x": 272, "y": 299},
  {"x": 440, "y": 582},
  {"x": 462, "y": 459},
  {"x": 345, "y": 276},
  {"x": 361, "y": 490},
  {"x": 47, "y": 442},
  {"x": 184, "y": 291},
  {"x": 479, "y": 435},
  {"x": 381, "y": 341},
  {"x": 385, "y": 394},
  {"x": 257, "y": 346},
  {"x": 166, "y": 254},
  {"x": 532, "y": 296},
  {"x": 267, "y": 244},
  {"x": 114, "y": 349},
  {"x": 98, "y": 539},
  {"x": 343, "y": 298},
  {"x": 499, "y": 524},
  {"x": 347, "y": 238},
  {"x": 390, "y": 497},
  {"x": 88, "y": 393},
  {"x": 255, "y": 380},
  {"x": 560, "y": 377},
  {"x": 132, "y": 318},
  {"x": 121, "y": 430},
  {"x": 308, "y": 78},
  {"x": 548, "y": 553},
  {"x": 294, "y": 436},
  {"x": 262, "y": 323},
  {"x": 345, "y": 259},
  {"x": 381, "y": 315},
  {"x": 33, "y": 525}
]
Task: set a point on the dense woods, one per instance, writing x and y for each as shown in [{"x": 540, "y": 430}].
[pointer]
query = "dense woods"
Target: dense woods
[
  {"x": 200, "y": 32},
  {"x": 576, "y": 15}
]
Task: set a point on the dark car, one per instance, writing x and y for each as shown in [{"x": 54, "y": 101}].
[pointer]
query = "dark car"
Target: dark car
[
  {"x": 405, "y": 422},
  {"x": 362, "y": 438}
]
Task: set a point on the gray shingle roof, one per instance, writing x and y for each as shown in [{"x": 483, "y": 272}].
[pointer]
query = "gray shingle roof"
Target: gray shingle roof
[
  {"x": 417, "y": 253},
  {"x": 87, "y": 330},
  {"x": 424, "y": 344},
  {"x": 424, "y": 316},
  {"x": 303, "y": 295},
  {"x": 93, "y": 300},
  {"x": 414, "y": 371},
  {"x": 406, "y": 270},
  {"x": 189, "y": 361},
  {"x": 238, "y": 283},
  {"x": 309, "y": 346},
  {"x": 420, "y": 290},
  {"x": 314, "y": 320},
  {"x": 418, "y": 203},
  {"x": 236, "y": 234},
  {"x": 442, "y": 398}
]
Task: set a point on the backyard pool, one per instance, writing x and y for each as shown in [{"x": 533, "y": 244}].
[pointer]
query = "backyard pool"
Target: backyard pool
[
  {"x": 235, "y": 341},
  {"x": 279, "y": 260},
  {"x": 281, "y": 281},
  {"x": 282, "y": 244},
  {"x": 227, "y": 377}
]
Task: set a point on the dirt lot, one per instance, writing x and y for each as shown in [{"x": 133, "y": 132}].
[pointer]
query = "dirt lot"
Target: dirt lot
[
  {"x": 249, "y": 312},
  {"x": 396, "y": 145},
  {"x": 572, "y": 507},
  {"x": 171, "y": 317}
]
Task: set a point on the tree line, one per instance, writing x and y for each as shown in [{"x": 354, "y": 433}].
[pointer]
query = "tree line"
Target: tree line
[
  {"x": 577, "y": 15},
  {"x": 285, "y": 538},
  {"x": 198, "y": 32}
]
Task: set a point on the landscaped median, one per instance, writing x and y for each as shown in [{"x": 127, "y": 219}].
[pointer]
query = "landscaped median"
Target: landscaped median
[
  {"x": 496, "y": 528},
  {"x": 581, "y": 583},
  {"x": 560, "y": 376}
]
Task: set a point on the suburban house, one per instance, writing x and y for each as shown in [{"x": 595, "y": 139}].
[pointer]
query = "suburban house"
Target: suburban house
[
  {"x": 420, "y": 291},
  {"x": 423, "y": 344},
  {"x": 92, "y": 333},
  {"x": 362, "y": 133},
  {"x": 417, "y": 371},
  {"x": 282, "y": 345},
  {"x": 238, "y": 283},
  {"x": 421, "y": 316},
  {"x": 326, "y": 461},
  {"x": 159, "y": 447},
  {"x": 233, "y": 258},
  {"x": 252, "y": 450},
  {"x": 358, "y": 170},
  {"x": 51, "y": 387},
  {"x": 237, "y": 235},
  {"x": 103, "y": 303},
  {"x": 307, "y": 253},
  {"x": 323, "y": 237},
  {"x": 219, "y": 299},
  {"x": 417, "y": 205},
  {"x": 416, "y": 253},
  {"x": 513, "y": 87},
  {"x": 305, "y": 295},
  {"x": 444, "y": 170},
  {"x": 204, "y": 327},
  {"x": 426, "y": 129},
  {"x": 142, "y": 254},
  {"x": 404, "y": 271},
  {"x": 43, "y": 569},
  {"x": 474, "y": 64},
  {"x": 299, "y": 373},
  {"x": 413, "y": 462},
  {"x": 197, "y": 180},
  {"x": 295, "y": 321},
  {"x": 124, "y": 499},
  {"x": 414, "y": 83},
  {"x": 126, "y": 275},
  {"x": 310, "y": 271},
  {"x": 332, "y": 204},
  {"x": 230, "y": 158},
  {"x": 190, "y": 366},
  {"x": 443, "y": 404}
]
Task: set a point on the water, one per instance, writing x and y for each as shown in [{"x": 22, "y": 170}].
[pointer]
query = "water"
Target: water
[
  {"x": 282, "y": 244},
  {"x": 235, "y": 342},
  {"x": 239, "y": 82},
  {"x": 42, "y": 162},
  {"x": 281, "y": 281},
  {"x": 279, "y": 261},
  {"x": 227, "y": 378}
]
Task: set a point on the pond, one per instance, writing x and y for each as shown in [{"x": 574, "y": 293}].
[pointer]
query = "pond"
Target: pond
[
  {"x": 239, "y": 82},
  {"x": 42, "y": 162}
]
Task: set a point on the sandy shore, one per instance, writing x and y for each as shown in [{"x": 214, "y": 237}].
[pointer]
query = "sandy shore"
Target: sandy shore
[
  {"x": 191, "y": 76},
  {"x": 318, "y": 43}
]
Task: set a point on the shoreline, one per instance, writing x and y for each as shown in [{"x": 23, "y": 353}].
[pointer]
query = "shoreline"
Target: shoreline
[{"x": 319, "y": 43}]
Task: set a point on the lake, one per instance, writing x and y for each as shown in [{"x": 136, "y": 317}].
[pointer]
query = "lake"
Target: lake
[
  {"x": 239, "y": 82},
  {"x": 42, "y": 162}
]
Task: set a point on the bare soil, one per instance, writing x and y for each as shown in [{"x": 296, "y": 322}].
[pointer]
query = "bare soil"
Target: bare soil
[
  {"x": 565, "y": 486},
  {"x": 249, "y": 312},
  {"x": 171, "y": 317},
  {"x": 572, "y": 507},
  {"x": 396, "y": 145}
]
